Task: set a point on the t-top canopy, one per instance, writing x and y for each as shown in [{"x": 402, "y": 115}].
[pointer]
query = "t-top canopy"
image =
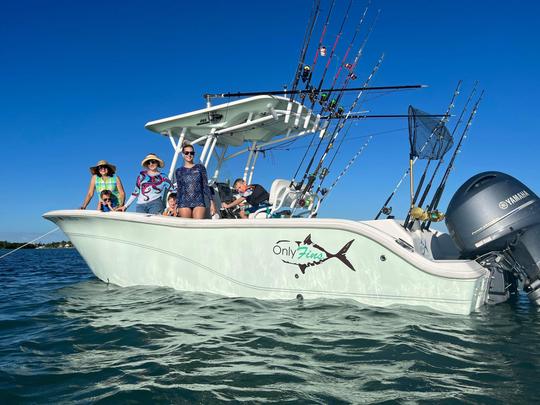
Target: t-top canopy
[{"x": 258, "y": 118}]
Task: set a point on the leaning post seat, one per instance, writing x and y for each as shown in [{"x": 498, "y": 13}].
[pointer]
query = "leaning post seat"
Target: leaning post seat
[{"x": 280, "y": 196}]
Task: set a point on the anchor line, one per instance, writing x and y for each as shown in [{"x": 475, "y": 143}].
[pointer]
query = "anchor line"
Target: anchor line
[
  {"x": 440, "y": 125},
  {"x": 307, "y": 39},
  {"x": 317, "y": 52},
  {"x": 439, "y": 163},
  {"x": 438, "y": 193},
  {"x": 341, "y": 122},
  {"x": 28, "y": 243}
]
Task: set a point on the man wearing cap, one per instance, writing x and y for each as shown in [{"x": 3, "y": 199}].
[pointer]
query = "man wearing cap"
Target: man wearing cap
[{"x": 104, "y": 178}]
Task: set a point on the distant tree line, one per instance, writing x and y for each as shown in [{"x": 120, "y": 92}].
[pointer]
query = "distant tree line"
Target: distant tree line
[{"x": 4, "y": 244}]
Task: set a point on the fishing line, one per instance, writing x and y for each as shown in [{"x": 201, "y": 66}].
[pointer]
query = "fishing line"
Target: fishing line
[{"x": 27, "y": 243}]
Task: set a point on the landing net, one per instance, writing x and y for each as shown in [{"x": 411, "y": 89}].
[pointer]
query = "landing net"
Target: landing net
[{"x": 428, "y": 136}]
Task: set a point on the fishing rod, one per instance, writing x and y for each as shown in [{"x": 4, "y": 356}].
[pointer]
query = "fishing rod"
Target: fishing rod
[
  {"x": 335, "y": 133},
  {"x": 324, "y": 96},
  {"x": 438, "y": 193},
  {"x": 362, "y": 116},
  {"x": 384, "y": 209},
  {"x": 307, "y": 71},
  {"x": 334, "y": 103},
  {"x": 330, "y": 105},
  {"x": 439, "y": 163},
  {"x": 313, "y": 96},
  {"x": 440, "y": 126},
  {"x": 303, "y": 51},
  {"x": 346, "y": 55},
  {"x": 345, "y": 170},
  {"x": 294, "y": 92}
]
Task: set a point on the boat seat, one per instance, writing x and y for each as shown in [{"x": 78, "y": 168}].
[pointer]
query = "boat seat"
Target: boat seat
[{"x": 280, "y": 196}]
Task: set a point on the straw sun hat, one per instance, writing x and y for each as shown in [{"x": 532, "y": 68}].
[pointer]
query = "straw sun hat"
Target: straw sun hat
[
  {"x": 152, "y": 156},
  {"x": 95, "y": 169}
]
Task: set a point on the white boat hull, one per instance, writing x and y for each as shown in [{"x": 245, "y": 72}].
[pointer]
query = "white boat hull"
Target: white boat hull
[{"x": 261, "y": 259}]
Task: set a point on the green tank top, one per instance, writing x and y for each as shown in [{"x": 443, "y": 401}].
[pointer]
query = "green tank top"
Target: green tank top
[{"x": 109, "y": 184}]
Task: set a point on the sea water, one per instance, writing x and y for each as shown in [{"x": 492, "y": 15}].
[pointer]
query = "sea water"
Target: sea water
[{"x": 67, "y": 337}]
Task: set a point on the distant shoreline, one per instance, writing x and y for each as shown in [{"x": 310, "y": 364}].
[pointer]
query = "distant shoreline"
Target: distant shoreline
[{"x": 4, "y": 244}]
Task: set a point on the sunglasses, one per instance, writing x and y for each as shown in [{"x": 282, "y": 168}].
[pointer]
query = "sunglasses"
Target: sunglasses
[
  {"x": 106, "y": 199},
  {"x": 103, "y": 167},
  {"x": 189, "y": 153},
  {"x": 152, "y": 162}
]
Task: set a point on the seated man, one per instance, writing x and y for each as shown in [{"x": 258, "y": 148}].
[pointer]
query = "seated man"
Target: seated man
[{"x": 254, "y": 194}]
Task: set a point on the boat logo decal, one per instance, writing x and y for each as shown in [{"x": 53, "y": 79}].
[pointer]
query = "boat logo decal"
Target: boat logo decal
[
  {"x": 306, "y": 253},
  {"x": 513, "y": 199}
]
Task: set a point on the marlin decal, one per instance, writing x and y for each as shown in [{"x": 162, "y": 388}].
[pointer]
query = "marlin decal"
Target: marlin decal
[{"x": 306, "y": 254}]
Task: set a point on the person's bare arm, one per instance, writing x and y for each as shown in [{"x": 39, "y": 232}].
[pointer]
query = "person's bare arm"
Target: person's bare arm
[
  {"x": 234, "y": 203},
  {"x": 121, "y": 192},
  {"x": 89, "y": 193}
]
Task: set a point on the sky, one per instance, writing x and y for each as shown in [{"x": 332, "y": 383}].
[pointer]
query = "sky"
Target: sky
[{"x": 78, "y": 81}]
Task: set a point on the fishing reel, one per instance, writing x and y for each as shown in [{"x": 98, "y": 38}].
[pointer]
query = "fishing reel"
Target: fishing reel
[
  {"x": 422, "y": 215},
  {"x": 332, "y": 104},
  {"x": 323, "y": 98},
  {"x": 306, "y": 73}
]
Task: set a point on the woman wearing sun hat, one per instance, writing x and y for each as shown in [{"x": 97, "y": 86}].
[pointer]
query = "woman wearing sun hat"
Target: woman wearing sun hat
[
  {"x": 104, "y": 178},
  {"x": 150, "y": 187}
]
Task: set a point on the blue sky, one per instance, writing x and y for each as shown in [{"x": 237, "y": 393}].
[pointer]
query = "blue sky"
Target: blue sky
[{"x": 78, "y": 81}]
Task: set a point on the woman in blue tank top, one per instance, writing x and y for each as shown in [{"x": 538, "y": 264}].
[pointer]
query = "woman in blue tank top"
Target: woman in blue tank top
[{"x": 192, "y": 187}]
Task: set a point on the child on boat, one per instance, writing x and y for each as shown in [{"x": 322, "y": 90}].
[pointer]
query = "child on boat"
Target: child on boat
[
  {"x": 171, "y": 210},
  {"x": 106, "y": 202},
  {"x": 254, "y": 194}
]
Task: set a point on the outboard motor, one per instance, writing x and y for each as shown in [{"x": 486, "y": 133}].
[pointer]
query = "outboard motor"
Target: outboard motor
[{"x": 495, "y": 219}]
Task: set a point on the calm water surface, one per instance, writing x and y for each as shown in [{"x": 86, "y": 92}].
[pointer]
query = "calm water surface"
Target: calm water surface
[{"x": 67, "y": 337}]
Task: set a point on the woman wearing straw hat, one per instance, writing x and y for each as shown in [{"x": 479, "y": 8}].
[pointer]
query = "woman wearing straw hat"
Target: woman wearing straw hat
[
  {"x": 104, "y": 178},
  {"x": 150, "y": 187}
]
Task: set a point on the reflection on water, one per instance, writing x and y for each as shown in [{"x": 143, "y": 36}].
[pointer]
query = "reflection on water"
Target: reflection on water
[{"x": 65, "y": 336}]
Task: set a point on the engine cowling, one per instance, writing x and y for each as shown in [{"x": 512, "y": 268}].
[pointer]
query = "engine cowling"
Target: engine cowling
[{"x": 494, "y": 212}]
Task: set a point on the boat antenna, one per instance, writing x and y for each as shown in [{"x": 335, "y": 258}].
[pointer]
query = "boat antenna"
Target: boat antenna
[
  {"x": 438, "y": 132},
  {"x": 307, "y": 38},
  {"x": 438, "y": 193},
  {"x": 439, "y": 163}
]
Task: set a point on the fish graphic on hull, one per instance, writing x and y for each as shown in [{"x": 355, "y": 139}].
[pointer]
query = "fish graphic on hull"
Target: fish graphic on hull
[{"x": 306, "y": 253}]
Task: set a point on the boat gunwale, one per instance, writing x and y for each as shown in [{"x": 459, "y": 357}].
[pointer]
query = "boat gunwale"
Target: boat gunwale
[{"x": 468, "y": 270}]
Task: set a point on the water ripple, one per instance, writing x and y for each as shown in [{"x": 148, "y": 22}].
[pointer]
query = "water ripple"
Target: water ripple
[{"x": 67, "y": 337}]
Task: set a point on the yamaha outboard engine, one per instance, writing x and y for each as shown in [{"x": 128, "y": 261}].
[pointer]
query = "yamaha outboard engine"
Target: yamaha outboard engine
[{"x": 495, "y": 219}]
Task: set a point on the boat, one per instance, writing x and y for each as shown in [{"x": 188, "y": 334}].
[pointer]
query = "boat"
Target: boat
[{"x": 286, "y": 251}]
